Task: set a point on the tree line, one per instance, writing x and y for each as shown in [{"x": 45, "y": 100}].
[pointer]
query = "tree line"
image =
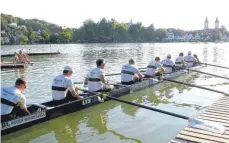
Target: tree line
[{"x": 39, "y": 31}]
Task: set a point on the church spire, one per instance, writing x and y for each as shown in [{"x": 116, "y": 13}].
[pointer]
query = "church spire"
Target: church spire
[
  {"x": 216, "y": 23},
  {"x": 206, "y": 23}
]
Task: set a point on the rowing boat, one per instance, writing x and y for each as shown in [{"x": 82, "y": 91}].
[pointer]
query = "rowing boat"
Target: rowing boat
[{"x": 47, "y": 111}]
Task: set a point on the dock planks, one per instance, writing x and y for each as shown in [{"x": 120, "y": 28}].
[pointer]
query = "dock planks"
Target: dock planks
[{"x": 217, "y": 112}]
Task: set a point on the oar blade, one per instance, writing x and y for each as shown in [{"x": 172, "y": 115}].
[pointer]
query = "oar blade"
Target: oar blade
[{"x": 206, "y": 125}]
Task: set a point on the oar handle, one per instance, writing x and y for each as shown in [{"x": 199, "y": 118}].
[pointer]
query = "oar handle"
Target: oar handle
[
  {"x": 149, "y": 108},
  {"x": 193, "y": 85}
]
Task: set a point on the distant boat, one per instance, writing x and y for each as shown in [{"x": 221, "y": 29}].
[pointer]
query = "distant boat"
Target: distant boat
[{"x": 33, "y": 54}]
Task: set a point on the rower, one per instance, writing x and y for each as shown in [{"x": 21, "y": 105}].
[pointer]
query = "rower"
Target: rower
[
  {"x": 16, "y": 59},
  {"x": 130, "y": 74},
  {"x": 12, "y": 98},
  {"x": 189, "y": 59},
  {"x": 168, "y": 64},
  {"x": 23, "y": 58},
  {"x": 197, "y": 60},
  {"x": 96, "y": 78},
  {"x": 179, "y": 62},
  {"x": 154, "y": 68},
  {"x": 61, "y": 85}
]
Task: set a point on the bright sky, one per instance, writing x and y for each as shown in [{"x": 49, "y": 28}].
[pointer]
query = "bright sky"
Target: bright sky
[{"x": 183, "y": 14}]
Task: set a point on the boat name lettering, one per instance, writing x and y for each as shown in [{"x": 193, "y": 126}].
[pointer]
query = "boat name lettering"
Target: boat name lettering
[
  {"x": 86, "y": 101},
  {"x": 22, "y": 120}
]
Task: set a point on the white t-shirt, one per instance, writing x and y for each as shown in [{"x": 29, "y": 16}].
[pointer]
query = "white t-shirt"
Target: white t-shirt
[
  {"x": 190, "y": 60},
  {"x": 14, "y": 95},
  {"x": 168, "y": 64},
  {"x": 60, "y": 86},
  {"x": 179, "y": 61},
  {"x": 94, "y": 82},
  {"x": 151, "y": 68},
  {"x": 128, "y": 72}
]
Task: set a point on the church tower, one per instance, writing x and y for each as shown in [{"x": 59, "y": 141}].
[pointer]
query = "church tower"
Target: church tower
[
  {"x": 206, "y": 23},
  {"x": 216, "y": 23}
]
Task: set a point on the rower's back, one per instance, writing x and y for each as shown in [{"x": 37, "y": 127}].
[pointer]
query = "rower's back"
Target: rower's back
[
  {"x": 60, "y": 85},
  {"x": 168, "y": 64},
  {"x": 179, "y": 62},
  {"x": 189, "y": 59},
  {"x": 127, "y": 73},
  {"x": 94, "y": 82},
  {"x": 151, "y": 68},
  {"x": 10, "y": 96}
]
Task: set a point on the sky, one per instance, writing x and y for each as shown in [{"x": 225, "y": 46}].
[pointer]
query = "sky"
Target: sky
[{"x": 183, "y": 14}]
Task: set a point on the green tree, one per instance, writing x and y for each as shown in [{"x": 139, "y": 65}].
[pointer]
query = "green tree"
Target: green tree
[
  {"x": 46, "y": 35},
  {"x": 24, "y": 40},
  {"x": 66, "y": 35}
]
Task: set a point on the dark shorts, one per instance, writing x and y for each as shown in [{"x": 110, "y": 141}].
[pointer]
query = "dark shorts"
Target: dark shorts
[
  {"x": 67, "y": 99},
  {"x": 104, "y": 89}
]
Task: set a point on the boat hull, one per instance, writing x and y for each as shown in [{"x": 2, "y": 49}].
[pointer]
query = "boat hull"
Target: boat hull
[{"x": 48, "y": 111}]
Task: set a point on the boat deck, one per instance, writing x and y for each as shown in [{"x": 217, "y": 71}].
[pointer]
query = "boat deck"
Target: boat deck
[{"x": 217, "y": 112}]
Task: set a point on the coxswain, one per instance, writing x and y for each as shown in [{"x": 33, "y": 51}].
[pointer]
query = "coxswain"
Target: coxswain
[
  {"x": 130, "y": 74},
  {"x": 154, "y": 68},
  {"x": 62, "y": 85},
  {"x": 179, "y": 62},
  {"x": 189, "y": 59},
  {"x": 95, "y": 78},
  {"x": 168, "y": 64},
  {"x": 13, "y": 102}
]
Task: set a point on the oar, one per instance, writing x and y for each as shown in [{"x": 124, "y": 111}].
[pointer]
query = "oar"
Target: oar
[
  {"x": 195, "y": 123},
  {"x": 208, "y": 74},
  {"x": 193, "y": 85},
  {"x": 215, "y": 65}
]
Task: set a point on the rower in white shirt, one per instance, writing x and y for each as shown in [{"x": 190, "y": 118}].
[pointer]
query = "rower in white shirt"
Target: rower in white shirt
[
  {"x": 168, "y": 64},
  {"x": 190, "y": 60},
  {"x": 96, "y": 78},
  {"x": 130, "y": 74},
  {"x": 12, "y": 98},
  {"x": 61, "y": 85},
  {"x": 179, "y": 62},
  {"x": 154, "y": 69}
]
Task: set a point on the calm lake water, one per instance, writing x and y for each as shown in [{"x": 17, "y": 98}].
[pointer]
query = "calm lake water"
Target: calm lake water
[{"x": 113, "y": 122}]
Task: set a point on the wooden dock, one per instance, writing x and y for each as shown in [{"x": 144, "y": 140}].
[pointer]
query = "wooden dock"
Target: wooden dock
[
  {"x": 34, "y": 54},
  {"x": 217, "y": 112}
]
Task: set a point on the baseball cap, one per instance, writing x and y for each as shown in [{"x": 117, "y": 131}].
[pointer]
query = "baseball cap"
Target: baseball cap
[{"x": 68, "y": 68}]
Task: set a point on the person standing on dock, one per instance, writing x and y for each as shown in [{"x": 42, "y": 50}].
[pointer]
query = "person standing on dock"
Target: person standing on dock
[
  {"x": 168, "y": 64},
  {"x": 16, "y": 59},
  {"x": 12, "y": 98},
  {"x": 61, "y": 85},
  {"x": 179, "y": 62},
  {"x": 130, "y": 74},
  {"x": 189, "y": 59},
  {"x": 95, "y": 78},
  {"x": 154, "y": 68}
]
